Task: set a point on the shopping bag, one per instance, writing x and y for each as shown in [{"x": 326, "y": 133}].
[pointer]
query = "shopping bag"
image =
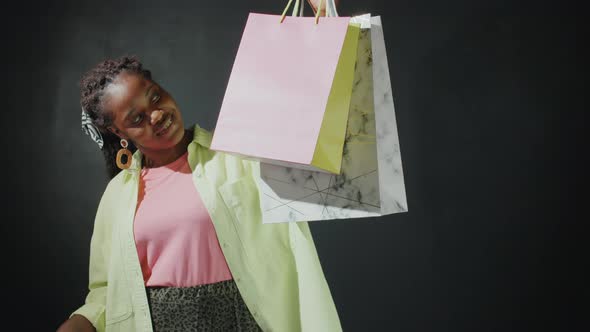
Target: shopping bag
[
  {"x": 289, "y": 91},
  {"x": 371, "y": 183}
]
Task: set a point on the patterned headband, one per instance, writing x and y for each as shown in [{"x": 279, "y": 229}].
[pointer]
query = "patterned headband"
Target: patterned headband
[{"x": 90, "y": 129}]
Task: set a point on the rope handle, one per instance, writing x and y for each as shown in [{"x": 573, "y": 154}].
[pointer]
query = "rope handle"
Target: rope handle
[{"x": 297, "y": 9}]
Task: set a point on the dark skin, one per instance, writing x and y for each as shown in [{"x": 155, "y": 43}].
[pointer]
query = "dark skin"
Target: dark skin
[
  {"x": 77, "y": 323},
  {"x": 140, "y": 109}
]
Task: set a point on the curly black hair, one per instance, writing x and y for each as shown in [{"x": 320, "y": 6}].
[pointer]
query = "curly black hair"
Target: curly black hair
[{"x": 92, "y": 86}]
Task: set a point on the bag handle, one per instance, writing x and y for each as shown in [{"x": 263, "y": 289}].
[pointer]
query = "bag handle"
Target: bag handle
[
  {"x": 331, "y": 8},
  {"x": 296, "y": 9},
  {"x": 300, "y": 11}
]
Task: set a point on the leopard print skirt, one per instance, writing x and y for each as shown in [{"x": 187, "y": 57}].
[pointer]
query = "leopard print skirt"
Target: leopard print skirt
[{"x": 211, "y": 307}]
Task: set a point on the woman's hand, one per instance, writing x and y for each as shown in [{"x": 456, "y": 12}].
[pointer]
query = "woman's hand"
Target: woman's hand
[
  {"x": 315, "y": 3},
  {"x": 76, "y": 323}
]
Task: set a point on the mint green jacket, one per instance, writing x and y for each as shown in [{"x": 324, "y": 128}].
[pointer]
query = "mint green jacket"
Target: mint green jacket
[{"x": 275, "y": 266}]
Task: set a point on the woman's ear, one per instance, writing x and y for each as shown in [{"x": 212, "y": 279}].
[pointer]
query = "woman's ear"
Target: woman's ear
[
  {"x": 113, "y": 130},
  {"x": 116, "y": 131}
]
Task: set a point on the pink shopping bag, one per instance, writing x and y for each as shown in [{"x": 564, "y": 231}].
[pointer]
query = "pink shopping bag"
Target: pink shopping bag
[{"x": 278, "y": 90}]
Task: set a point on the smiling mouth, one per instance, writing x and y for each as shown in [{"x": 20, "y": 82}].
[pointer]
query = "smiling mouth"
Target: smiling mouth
[{"x": 165, "y": 125}]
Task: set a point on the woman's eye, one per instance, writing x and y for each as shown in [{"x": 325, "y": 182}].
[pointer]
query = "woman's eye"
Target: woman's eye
[
  {"x": 137, "y": 119},
  {"x": 155, "y": 98}
]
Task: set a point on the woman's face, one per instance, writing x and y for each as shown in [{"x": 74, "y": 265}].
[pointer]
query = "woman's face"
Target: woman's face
[{"x": 143, "y": 112}]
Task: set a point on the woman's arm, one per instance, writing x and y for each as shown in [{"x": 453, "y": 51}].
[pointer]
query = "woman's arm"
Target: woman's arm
[
  {"x": 76, "y": 323},
  {"x": 93, "y": 310}
]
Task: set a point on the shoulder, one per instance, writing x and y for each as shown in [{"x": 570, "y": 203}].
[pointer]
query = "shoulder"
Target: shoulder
[
  {"x": 114, "y": 188},
  {"x": 241, "y": 164},
  {"x": 115, "y": 183},
  {"x": 202, "y": 136}
]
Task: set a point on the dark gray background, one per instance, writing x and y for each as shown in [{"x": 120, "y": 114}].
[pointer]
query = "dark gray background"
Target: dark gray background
[{"x": 490, "y": 112}]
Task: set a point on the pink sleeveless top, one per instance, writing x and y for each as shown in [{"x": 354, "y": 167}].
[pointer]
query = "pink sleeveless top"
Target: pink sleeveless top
[{"x": 174, "y": 235}]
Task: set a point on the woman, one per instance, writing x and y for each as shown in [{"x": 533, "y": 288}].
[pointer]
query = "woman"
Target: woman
[{"x": 178, "y": 241}]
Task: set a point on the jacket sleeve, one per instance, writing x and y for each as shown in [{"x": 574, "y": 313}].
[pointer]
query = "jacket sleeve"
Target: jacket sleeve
[{"x": 95, "y": 303}]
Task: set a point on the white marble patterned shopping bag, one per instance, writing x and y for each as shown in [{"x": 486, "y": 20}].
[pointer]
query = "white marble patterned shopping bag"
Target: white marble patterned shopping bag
[{"x": 371, "y": 182}]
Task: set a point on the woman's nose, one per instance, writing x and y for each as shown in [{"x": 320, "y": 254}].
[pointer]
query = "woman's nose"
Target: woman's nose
[{"x": 156, "y": 116}]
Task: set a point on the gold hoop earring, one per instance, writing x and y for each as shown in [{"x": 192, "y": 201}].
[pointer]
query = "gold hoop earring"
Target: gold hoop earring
[{"x": 125, "y": 152}]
